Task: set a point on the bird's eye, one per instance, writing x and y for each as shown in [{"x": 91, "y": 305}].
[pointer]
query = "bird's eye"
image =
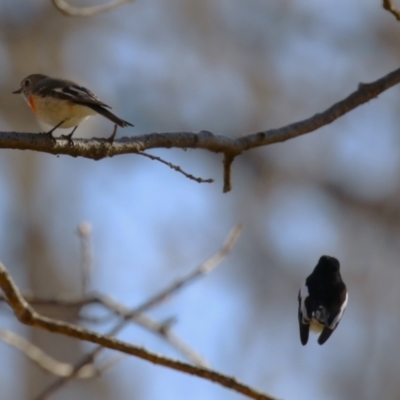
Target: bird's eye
[{"x": 27, "y": 82}]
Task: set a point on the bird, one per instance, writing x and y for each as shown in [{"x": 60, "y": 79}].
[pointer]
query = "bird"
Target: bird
[
  {"x": 62, "y": 103},
  {"x": 322, "y": 300}
]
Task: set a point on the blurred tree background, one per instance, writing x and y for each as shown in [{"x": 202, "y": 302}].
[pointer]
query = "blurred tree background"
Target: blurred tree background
[{"x": 230, "y": 67}]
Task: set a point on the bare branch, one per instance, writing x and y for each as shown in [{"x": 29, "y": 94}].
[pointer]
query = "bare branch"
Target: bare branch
[
  {"x": 160, "y": 329},
  {"x": 389, "y": 6},
  {"x": 176, "y": 168},
  {"x": 203, "y": 269},
  {"x": 96, "y": 150},
  {"x": 28, "y": 316},
  {"x": 71, "y": 11}
]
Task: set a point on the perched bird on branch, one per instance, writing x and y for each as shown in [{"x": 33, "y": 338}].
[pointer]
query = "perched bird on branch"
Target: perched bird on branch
[{"x": 63, "y": 104}]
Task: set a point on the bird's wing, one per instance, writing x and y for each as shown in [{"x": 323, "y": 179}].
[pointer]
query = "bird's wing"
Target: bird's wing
[
  {"x": 68, "y": 90},
  {"x": 339, "y": 314},
  {"x": 324, "y": 336},
  {"x": 303, "y": 295},
  {"x": 333, "y": 319},
  {"x": 304, "y": 321}
]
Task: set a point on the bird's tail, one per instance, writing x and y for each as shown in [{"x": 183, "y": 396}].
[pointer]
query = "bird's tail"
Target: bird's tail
[
  {"x": 109, "y": 115},
  {"x": 321, "y": 315}
]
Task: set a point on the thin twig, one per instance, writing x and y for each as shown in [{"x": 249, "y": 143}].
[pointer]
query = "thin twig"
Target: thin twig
[
  {"x": 170, "y": 337},
  {"x": 228, "y": 160},
  {"x": 84, "y": 230},
  {"x": 389, "y": 6},
  {"x": 71, "y": 11},
  {"x": 203, "y": 269},
  {"x": 43, "y": 360},
  {"x": 176, "y": 168}
]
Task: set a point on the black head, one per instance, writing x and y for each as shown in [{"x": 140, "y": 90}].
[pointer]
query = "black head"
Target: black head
[{"x": 328, "y": 264}]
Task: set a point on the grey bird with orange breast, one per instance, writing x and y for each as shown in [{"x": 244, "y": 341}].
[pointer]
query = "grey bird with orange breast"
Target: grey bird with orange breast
[{"x": 62, "y": 103}]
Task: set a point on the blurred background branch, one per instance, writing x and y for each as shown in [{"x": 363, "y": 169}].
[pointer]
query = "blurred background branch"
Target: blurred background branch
[
  {"x": 72, "y": 308},
  {"x": 71, "y": 11},
  {"x": 26, "y": 314},
  {"x": 43, "y": 360}
]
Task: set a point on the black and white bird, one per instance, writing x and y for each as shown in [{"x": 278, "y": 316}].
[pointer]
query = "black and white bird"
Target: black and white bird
[{"x": 322, "y": 300}]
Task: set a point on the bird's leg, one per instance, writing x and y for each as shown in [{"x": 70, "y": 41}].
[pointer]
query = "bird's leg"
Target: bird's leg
[
  {"x": 69, "y": 136},
  {"x": 109, "y": 139},
  {"x": 50, "y": 132},
  {"x": 112, "y": 137}
]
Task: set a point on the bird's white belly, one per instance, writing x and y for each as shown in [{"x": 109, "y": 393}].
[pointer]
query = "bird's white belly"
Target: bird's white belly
[{"x": 53, "y": 111}]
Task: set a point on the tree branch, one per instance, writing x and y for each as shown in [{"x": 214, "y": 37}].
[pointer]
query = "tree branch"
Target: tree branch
[
  {"x": 28, "y": 316},
  {"x": 389, "y": 6},
  {"x": 164, "y": 330},
  {"x": 70, "y": 11},
  {"x": 93, "y": 149},
  {"x": 136, "y": 313},
  {"x": 160, "y": 329}
]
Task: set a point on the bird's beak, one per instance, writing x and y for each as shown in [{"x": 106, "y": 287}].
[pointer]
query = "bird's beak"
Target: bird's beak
[{"x": 17, "y": 91}]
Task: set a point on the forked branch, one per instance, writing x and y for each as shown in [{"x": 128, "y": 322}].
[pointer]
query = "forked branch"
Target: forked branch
[
  {"x": 28, "y": 316},
  {"x": 229, "y": 146}
]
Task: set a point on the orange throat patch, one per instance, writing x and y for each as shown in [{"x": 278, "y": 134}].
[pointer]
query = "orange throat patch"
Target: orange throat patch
[{"x": 32, "y": 103}]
